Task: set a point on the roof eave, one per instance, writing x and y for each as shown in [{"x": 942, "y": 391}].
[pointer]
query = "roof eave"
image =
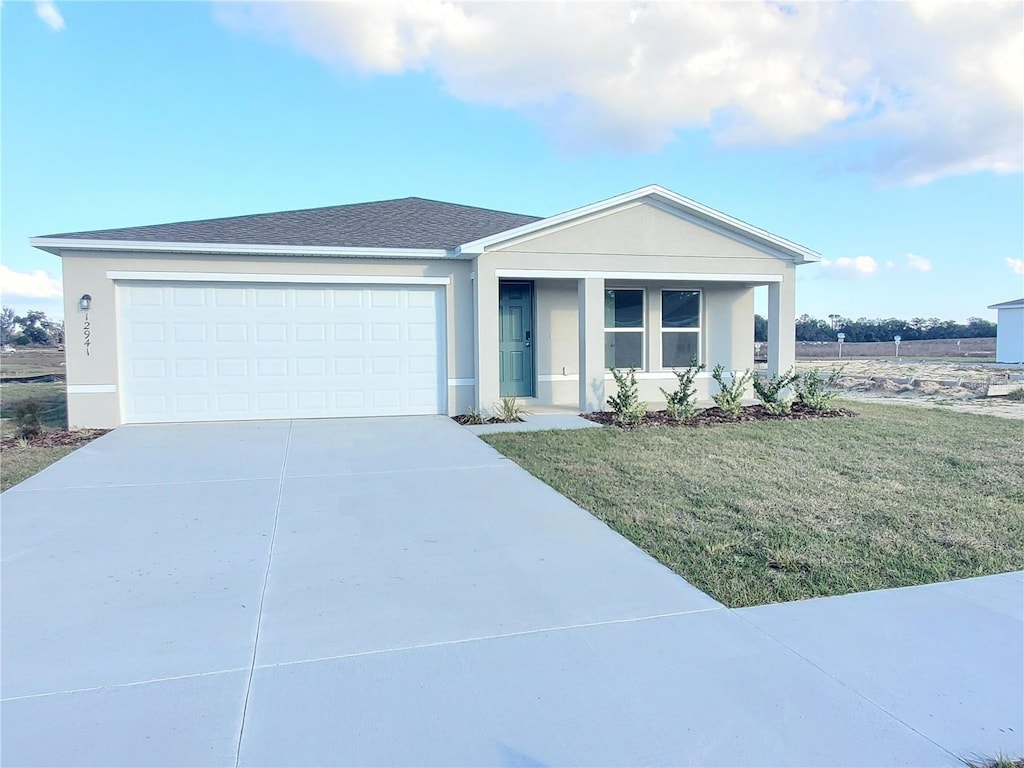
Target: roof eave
[
  {"x": 785, "y": 248},
  {"x": 59, "y": 245},
  {"x": 1012, "y": 304}
]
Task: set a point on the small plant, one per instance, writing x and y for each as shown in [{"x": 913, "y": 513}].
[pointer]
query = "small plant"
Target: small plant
[
  {"x": 1016, "y": 394},
  {"x": 628, "y": 407},
  {"x": 474, "y": 416},
  {"x": 509, "y": 410},
  {"x": 681, "y": 404},
  {"x": 27, "y": 417},
  {"x": 816, "y": 391},
  {"x": 769, "y": 392},
  {"x": 730, "y": 396}
]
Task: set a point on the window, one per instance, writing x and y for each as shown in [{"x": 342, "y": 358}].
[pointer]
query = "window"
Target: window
[
  {"x": 680, "y": 328},
  {"x": 623, "y": 328}
]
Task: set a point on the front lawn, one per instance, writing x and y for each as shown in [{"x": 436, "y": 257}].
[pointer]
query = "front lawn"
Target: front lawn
[
  {"x": 764, "y": 512},
  {"x": 20, "y": 459}
]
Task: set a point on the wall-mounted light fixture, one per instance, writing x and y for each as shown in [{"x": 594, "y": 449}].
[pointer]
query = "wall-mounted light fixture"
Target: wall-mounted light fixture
[{"x": 85, "y": 302}]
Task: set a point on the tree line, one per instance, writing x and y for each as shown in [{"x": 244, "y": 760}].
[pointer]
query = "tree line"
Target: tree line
[
  {"x": 34, "y": 327},
  {"x": 812, "y": 329}
]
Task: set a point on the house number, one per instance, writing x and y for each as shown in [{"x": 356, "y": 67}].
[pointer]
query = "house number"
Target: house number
[{"x": 86, "y": 334}]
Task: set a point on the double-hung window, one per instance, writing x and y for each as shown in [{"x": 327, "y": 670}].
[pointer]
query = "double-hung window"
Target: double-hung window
[
  {"x": 624, "y": 328},
  {"x": 680, "y": 328}
]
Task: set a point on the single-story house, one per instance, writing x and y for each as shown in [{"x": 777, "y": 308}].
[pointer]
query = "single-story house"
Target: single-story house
[
  {"x": 1009, "y": 331},
  {"x": 412, "y": 306}
]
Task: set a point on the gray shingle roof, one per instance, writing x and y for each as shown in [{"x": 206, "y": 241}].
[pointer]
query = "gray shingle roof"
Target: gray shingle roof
[{"x": 410, "y": 222}]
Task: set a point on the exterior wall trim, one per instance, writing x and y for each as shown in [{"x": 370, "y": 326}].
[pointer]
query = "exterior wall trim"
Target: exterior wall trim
[
  {"x": 56, "y": 244},
  {"x": 88, "y": 389},
  {"x": 232, "y": 277},
  {"x": 461, "y": 382},
  {"x": 579, "y": 274}
]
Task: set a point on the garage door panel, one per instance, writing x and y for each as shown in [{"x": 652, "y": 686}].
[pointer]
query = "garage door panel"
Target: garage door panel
[{"x": 192, "y": 352}]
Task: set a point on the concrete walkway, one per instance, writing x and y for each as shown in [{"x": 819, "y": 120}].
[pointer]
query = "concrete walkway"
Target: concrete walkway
[{"x": 394, "y": 592}]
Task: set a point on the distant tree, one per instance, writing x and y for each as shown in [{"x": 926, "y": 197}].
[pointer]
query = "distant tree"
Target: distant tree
[
  {"x": 33, "y": 328},
  {"x": 812, "y": 329},
  {"x": 7, "y": 326},
  {"x": 760, "y": 328},
  {"x": 867, "y": 329},
  {"x": 980, "y": 329},
  {"x": 54, "y": 329}
]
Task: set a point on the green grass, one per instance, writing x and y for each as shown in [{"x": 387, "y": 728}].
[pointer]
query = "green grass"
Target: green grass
[
  {"x": 17, "y": 464},
  {"x": 50, "y": 394},
  {"x": 773, "y": 511},
  {"x": 21, "y": 462},
  {"x": 994, "y": 762}
]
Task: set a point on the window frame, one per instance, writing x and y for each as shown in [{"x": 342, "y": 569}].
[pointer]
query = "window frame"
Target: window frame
[
  {"x": 642, "y": 330},
  {"x": 699, "y": 329}
]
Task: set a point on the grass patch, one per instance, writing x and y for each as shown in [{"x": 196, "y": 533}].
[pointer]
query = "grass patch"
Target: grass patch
[
  {"x": 21, "y": 462},
  {"x": 995, "y": 762},
  {"x": 32, "y": 361},
  {"x": 51, "y": 395},
  {"x": 764, "y": 512}
]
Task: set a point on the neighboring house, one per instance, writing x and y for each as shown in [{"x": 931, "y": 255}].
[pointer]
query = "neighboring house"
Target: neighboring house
[
  {"x": 1009, "y": 331},
  {"x": 412, "y": 306}
]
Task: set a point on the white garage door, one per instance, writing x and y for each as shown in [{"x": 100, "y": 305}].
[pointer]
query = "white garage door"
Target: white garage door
[{"x": 217, "y": 351}]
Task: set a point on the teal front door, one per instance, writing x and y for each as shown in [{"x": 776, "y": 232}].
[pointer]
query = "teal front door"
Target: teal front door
[{"x": 515, "y": 339}]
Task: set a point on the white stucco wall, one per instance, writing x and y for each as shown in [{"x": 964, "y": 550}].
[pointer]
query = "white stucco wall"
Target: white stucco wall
[
  {"x": 638, "y": 238},
  {"x": 1010, "y": 335},
  {"x": 87, "y": 273}
]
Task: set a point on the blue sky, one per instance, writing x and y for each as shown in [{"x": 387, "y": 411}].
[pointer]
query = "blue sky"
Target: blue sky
[{"x": 897, "y": 157}]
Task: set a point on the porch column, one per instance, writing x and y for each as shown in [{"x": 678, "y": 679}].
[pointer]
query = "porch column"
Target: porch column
[
  {"x": 488, "y": 385},
  {"x": 590, "y": 292},
  {"x": 782, "y": 324}
]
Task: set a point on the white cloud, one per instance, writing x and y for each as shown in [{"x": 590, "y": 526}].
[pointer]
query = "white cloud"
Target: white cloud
[
  {"x": 911, "y": 263},
  {"x": 28, "y": 285},
  {"x": 917, "y": 263},
  {"x": 939, "y": 93},
  {"x": 1015, "y": 265},
  {"x": 845, "y": 268},
  {"x": 47, "y": 11}
]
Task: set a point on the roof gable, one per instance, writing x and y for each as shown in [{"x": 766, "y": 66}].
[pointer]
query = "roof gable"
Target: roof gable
[{"x": 665, "y": 200}]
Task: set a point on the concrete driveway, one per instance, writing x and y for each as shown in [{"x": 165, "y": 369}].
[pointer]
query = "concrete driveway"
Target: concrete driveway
[{"x": 394, "y": 592}]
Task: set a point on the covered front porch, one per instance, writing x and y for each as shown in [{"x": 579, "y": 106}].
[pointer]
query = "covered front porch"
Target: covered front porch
[{"x": 549, "y": 337}]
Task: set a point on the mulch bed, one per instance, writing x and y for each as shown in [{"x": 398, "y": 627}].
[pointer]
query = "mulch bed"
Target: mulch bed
[
  {"x": 56, "y": 438},
  {"x": 715, "y": 415},
  {"x": 463, "y": 419}
]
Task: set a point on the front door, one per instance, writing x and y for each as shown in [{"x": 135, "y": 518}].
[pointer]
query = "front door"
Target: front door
[{"x": 515, "y": 340}]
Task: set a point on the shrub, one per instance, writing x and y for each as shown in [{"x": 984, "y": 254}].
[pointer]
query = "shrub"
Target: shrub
[
  {"x": 816, "y": 391},
  {"x": 27, "y": 417},
  {"x": 769, "y": 392},
  {"x": 474, "y": 416},
  {"x": 1016, "y": 394},
  {"x": 509, "y": 410},
  {"x": 730, "y": 396},
  {"x": 681, "y": 404},
  {"x": 628, "y": 407}
]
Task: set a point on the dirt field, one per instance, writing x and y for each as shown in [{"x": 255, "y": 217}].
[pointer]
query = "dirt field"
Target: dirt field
[
  {"x": 953, "y": 385},
  {"x": 31, "y": 361},
  {"x": 938, "y": 349}
]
